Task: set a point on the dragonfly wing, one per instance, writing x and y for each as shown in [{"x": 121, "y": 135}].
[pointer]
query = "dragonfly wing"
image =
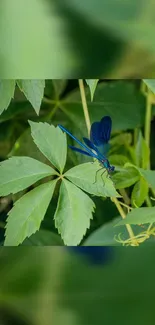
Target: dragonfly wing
[
  {"x": 81, "y": 151},
  {"x": 79, "y": 142},
  {"x": 95, "y": 134},
  {"x": 104, "y": 149},
  {"x": 90, "y": 144},
  {"x": 105, "y": 129},
  {"x": 100, "y": 134}
]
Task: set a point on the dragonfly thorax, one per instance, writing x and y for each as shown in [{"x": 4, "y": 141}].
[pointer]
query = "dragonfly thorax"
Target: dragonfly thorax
[{"x": 106, "y": 165}]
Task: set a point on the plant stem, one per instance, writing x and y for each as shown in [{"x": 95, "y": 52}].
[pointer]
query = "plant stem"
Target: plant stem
[
  {"x": 123, "y": 215},
  {"x": 125, "y": 196},
  {"x": 148, "y": 121},
  {"x": 84, "y": 104}
]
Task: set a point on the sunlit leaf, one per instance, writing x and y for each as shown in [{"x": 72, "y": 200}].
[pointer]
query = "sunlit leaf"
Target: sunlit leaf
[
  {"x": 126, "y": 177},
  {"x": 25, "y": 217},
  {"x": 18, "y": 173},
  {"x": 149, "y": 176},
  {"x": 88, "y": 177},
  {"x": 92, "y": 83},
  {"x": 51, "y": 142},
  {"x": 142, "y": 152},
  {"x": 139, "y": 216},
  {"x": 73, "y": 213},
  {"x": 150, "y": 84},
  {"x": 139, "y": 192}
]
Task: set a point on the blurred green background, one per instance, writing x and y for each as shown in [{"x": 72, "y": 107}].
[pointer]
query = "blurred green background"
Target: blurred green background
[
  {"x": 54, "y": 286},
  {"x": 74, "y": 39}
]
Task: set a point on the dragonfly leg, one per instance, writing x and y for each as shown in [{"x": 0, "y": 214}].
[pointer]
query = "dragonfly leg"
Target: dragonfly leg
[
  {"x": 96, "y": 175},
  {"x": 102, "y": 175}
]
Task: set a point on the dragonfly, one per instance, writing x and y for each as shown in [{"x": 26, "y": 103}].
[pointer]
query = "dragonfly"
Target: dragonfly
[{"x": 97, "y": 146}]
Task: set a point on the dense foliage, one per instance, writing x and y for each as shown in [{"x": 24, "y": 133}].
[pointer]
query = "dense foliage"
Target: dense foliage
[{"x": 48, "y": 191}]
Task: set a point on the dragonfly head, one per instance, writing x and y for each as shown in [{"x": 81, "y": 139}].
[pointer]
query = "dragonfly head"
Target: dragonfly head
[{"x": 111, "y": 168}]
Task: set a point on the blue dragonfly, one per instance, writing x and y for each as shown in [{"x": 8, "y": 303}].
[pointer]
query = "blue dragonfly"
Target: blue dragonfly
[{"x": 98, "y": 146}]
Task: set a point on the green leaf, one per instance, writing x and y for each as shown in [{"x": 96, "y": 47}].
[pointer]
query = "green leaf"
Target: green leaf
[
  {"x": 18, "y": 173},
  {"x": 118, "y": 160},
  {"x": 25, "y": 217},
  {"x": 84, "y": 176},
  {"x": 92, "y": 83},
  {"x": 51, "y": 142},
  {"x": 122, "y": 139},
  {"x": 142, "y": 152},
  {"x": 139, "y": 216},
  {"x": 139, "y": 192},
  {"x": 43, "y": 238},
  {"x": 33, "y": 89},
  {"x": 150, "y": 84},
  {"x": 121, "y": 97},
  {"x": 126, "y": 177},
  {"x": 73, "y": 213},
  {"x": 7, "y": 89},
  {"x": 149, "y": 176}
]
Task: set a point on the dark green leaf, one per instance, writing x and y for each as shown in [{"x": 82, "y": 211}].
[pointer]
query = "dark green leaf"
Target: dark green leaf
[
  {"x": 119, "y": 99},
  {"x": 43, "y": 238},
  {"x": 59, "y": 86},
  {"x": 104, "y": 236},
  {"x": 25, "y": 146},
  {"x": 109, "y": 235}
]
